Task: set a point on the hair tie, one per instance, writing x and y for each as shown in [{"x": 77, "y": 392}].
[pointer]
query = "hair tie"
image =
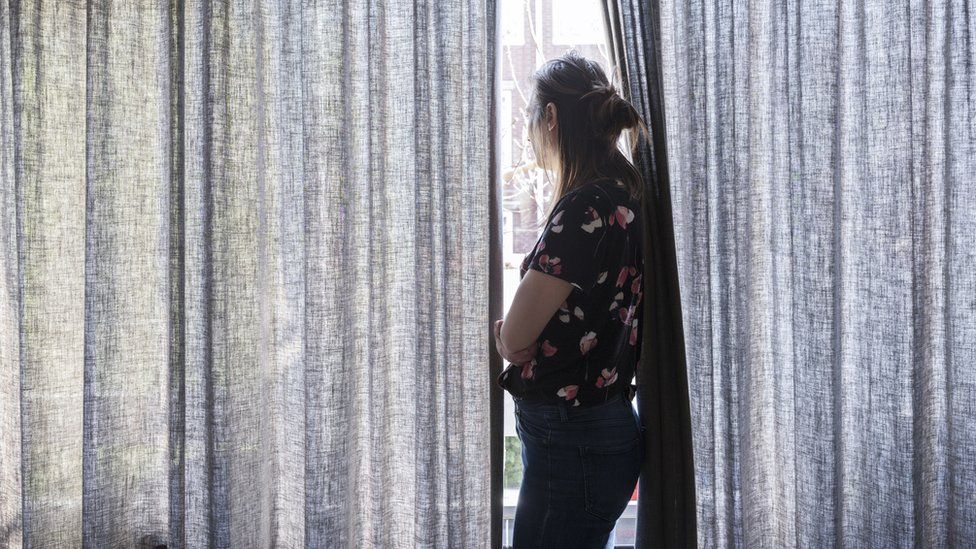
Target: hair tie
[{"x": 601, "y": 89}]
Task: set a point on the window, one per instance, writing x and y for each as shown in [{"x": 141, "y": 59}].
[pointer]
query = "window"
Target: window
[{"x": 533, "y": 31}]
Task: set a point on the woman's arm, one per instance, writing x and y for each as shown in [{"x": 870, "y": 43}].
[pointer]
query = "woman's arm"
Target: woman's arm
[
  {"x": 536, "y": 300},
  {"x": 568, "y": 255}
]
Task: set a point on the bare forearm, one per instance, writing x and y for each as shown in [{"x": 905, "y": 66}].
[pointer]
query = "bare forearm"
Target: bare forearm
[{"x": 537, "y": 299}]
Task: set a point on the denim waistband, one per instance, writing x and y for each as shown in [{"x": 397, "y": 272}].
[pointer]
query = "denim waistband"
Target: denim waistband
[{"x": 565, "y": 412}]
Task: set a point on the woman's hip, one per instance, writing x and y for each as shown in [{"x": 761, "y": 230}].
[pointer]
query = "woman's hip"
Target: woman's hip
[{"x": 610, "y": 424}]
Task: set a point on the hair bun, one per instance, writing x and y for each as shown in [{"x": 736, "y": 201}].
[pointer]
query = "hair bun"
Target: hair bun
[{"x": 609, "y": 113}]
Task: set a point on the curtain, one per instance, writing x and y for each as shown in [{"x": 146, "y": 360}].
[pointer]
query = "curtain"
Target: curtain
[
  {"x": 243, "y": 273},
  {"x": 822, "y": 158},
  {"x": 666, "y": 498}
]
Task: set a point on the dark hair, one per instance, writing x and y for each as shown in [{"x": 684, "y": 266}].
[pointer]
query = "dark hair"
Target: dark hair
[{"x": 591, "y": 116}]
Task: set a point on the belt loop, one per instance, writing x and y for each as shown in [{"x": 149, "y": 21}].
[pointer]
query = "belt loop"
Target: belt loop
[{"x": 563, "y": 415}]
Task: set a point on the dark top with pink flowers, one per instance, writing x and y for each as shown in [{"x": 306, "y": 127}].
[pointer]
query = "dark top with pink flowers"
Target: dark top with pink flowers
[{"x": 589, "y": 350}]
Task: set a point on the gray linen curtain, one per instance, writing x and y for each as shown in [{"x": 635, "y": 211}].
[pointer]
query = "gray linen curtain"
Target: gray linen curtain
[
  {"x": 243, "y": 273},
  {"x": 823, "y": 169}
]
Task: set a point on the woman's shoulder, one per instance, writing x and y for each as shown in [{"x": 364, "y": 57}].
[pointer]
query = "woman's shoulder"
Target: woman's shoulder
[
  {"x": 613, "y": 201},
  {"x": 596, "y": 193},
  {"x": 605, "y": 196}
]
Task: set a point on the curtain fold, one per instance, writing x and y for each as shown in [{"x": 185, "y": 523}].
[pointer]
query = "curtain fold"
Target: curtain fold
[
  {"x": 822, "y": 158},
  {"x": 244, "y": 286},
  {"x": 666, "y": 491}
]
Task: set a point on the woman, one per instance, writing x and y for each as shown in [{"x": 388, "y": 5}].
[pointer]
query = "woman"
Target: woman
[{"x": 572, "y": 332}]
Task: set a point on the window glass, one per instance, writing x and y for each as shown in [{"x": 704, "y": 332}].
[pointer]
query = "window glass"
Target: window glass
[{"x": 533, "y": 31}]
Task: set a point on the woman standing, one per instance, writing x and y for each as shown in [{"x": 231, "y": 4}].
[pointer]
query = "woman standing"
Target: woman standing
[{"x": 572, "y": 332}]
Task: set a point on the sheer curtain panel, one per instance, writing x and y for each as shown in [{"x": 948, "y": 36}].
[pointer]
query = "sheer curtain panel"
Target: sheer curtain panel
[
  {"x": 823, "y": 172},
  {"x": 243, "y": 273}
]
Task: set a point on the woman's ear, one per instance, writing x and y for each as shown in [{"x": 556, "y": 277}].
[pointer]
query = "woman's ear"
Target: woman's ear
[{"x": 551, "y": 121}]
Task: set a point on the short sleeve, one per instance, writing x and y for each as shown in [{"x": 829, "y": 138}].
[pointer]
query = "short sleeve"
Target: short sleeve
[{"x": 573, "y": 243}]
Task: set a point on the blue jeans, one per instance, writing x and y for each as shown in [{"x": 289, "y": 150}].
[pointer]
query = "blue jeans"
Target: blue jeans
[{"x": 579, "y": 469}]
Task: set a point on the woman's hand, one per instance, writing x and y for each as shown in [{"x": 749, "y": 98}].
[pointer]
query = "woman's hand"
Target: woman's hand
[{"x": 517, "y": 357}]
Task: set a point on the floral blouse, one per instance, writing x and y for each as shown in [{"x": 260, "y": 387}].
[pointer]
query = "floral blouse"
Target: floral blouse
[{"x": 589, "y": 350}]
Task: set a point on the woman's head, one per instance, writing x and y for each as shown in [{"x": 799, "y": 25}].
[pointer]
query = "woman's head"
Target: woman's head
[{"x": 575, "y": 119}]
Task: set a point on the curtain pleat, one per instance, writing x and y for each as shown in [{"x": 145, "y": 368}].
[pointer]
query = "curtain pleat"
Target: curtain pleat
[
  {"x": 11, "y": 458},
  {"x": 123, "y": 236},
  {"x": 244, "y": 285},
  {"x": 44, "y": 262}
]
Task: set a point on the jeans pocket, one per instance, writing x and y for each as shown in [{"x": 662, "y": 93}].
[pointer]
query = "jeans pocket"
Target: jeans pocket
[
  {"x": 610, "y": 474},
  {"x": 530, "y": 432}
]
